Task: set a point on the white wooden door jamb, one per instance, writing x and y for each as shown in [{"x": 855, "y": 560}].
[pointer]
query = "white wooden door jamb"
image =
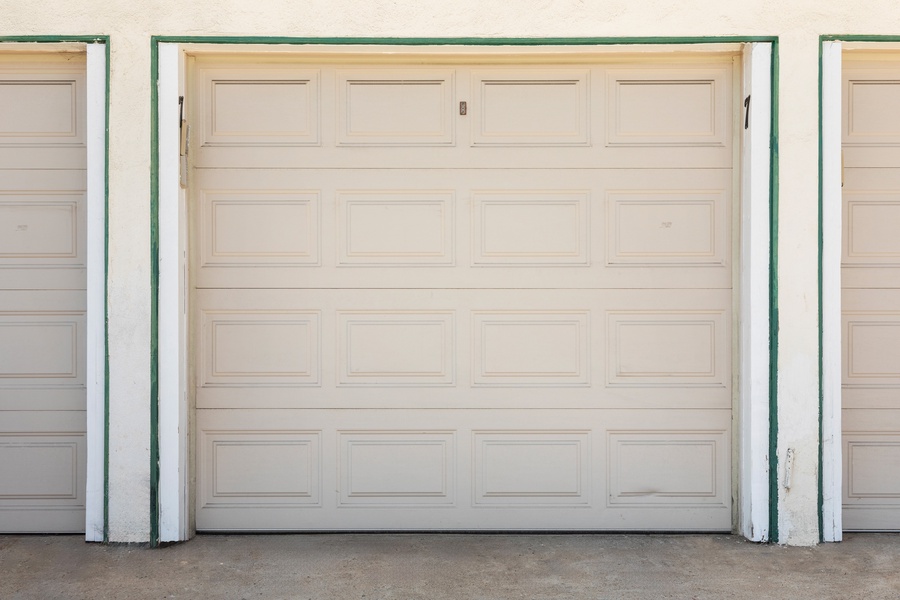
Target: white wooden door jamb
[
  {"x": 173, "y": 399},
  {"x": 831, "y": 292},
  {"x": 96, "y": 292},
  {"x": 754, "y": 294}
]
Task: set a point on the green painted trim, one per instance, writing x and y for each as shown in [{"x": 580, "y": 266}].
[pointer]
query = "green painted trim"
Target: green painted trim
[
  {"x": 461, "y": 41},
  {"x": 858, "y": 38},
  {"x": 154, "y": 295},
  {"x": 465, "y": 41},
  {"x": 57, "y": 39},
  {"x": 773, "y": 304},
  {"x": 821, "y": 479}
]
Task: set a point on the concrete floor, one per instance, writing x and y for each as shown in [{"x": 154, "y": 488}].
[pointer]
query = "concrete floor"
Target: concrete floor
[{"x": 437, "y": 567}]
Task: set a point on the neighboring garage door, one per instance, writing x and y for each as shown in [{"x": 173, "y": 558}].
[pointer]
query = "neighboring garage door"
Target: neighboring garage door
[
  {"x": 42, "y": 293},
  {"x": 871, "y": 294},
  {"x": 451, "y": 294}
]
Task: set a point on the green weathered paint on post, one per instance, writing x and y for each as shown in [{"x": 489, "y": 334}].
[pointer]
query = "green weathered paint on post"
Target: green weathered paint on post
[
  {"x": 106, "y": 307},
  {"x": 154, "y": 293},
  {"x": 57, "y": 39},
  {"x": 773, "y": 304}
]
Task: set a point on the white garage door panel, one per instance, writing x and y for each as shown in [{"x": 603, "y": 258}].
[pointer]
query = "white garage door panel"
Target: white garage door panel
[
  {"x": 871, "y": 246},
  {"x": 409, "y": 318},
  {"x": 613, "y": 470},
  {"x": 870, "y": 277},
  {"x": 42, "y": 298},
  {"x": 42, "y": 471},
  {"x": 42, "y": 365},
  {"x": 871, "y": 441},
  {"x": 463, "y": 348},
  {"x": 871, "y": 126},
  {"x": 42, "y": 124},
  {"x": 42, "y": 215},
  {"x": 871, "y": 348},
  {"x": 593, "y": 116},
  {"x": 557, "y": 228}
]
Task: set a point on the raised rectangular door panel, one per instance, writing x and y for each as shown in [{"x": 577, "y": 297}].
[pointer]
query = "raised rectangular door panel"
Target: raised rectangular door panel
[
  {"x": 270, "y": 106},
  {"x": 531, "y": 227},
  {"x": 532, "y": 468},
  {"x": 530, "y": 107},
  {"x": 395, "y": 227},
  {"x": 42, "y": 471},
  {"x": 668, "y": 107},
  {"x": 871, "y": 448},
  {"x": 871, "y": 127},
  {"x": 870, "y": 256},
  {"x": 42, "y": 215},
  {"x": 260, "y": 347},
  {"x": 395, "y": 107},
  {"x": 43, "y": 121}
]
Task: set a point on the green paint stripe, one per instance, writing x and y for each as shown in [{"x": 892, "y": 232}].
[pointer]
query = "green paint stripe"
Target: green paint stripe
[
  {"x": 858, "y": 38},
  {"x": 773, "y": 303},
  {"x": 154, "y": 295},
  {"x": 821, "y": 481},
  {"x": 462, "y": 41},
  {"x": 57, "y": 39}
]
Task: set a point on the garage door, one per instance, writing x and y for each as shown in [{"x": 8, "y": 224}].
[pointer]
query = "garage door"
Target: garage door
[
  {"x": 462, "y": 293},
  {"x": 871, "y": 294},
  {"x": 42, "y": 297}
]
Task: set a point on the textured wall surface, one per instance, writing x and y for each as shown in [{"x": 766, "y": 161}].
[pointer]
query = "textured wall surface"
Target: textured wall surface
[{"x": 797, "y": 23}]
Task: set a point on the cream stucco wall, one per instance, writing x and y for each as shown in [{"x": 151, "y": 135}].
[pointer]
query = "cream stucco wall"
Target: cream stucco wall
[{"x": 797, "y": 23}]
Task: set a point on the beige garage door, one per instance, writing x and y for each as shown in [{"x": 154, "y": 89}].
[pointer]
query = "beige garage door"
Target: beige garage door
[
  {"x": 42, "y": 297},
  {"x": 462, "y": 294},
  {"x": 871, "y": 294}
]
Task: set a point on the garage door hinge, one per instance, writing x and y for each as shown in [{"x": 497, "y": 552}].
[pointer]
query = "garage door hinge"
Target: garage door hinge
[
  {"x": 182, "y": 127},
  {"x": 184, "y": 143}
]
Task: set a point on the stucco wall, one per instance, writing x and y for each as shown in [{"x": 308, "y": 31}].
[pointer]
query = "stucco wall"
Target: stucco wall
[{"x": 130, "y": 24}]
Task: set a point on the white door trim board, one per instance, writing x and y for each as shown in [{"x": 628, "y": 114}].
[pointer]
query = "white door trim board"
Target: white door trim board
[
  {"x": 754, "y": 295},
  {"x": 96, "y": 292},
  {"x": 754, "y": 418},
  {"x": 831, "y": 292},
  {"x": 173, "y": 404}
]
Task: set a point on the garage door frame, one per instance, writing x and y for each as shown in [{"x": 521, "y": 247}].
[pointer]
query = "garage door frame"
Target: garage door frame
[
  {"x": 97, "y": 48},
  {"x": 170, "y": 472},
  {"x": 831, "y": 49}
]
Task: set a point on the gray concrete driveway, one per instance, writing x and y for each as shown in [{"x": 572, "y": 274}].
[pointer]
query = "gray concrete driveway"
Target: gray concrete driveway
[{"x": 458, "y": 567}]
